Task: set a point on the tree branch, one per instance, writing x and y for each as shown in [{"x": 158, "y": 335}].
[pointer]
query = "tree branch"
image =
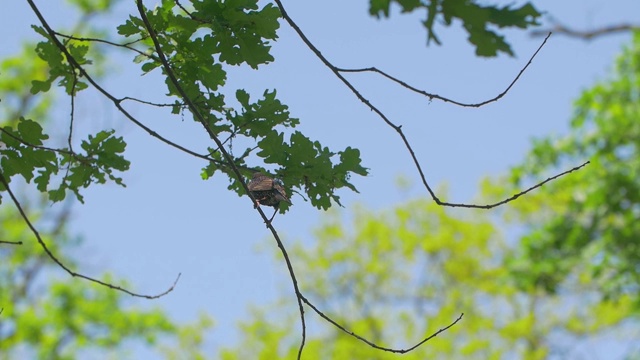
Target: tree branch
[
  {"x": 196, "y": 112},
  {"x": 4, "y": 181},
  {"x": 35, "y": 232},
  {"x": 117, "y": 102},
  {"x": 107, "y": 42},
  {"x": 586, "y": 35},
  {"x": 373, "y": 345},
  {"x": 11, "y": 242},
  {"x": 445, "y": 99},
  {"x": 398, "y": 128}
]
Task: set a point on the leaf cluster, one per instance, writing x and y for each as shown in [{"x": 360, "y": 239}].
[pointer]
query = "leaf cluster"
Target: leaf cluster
[
  {"x": 198, "y": 44},
  {"x": 59, "y": 67},
  {"x": 24, "y": 154},
  {"x": 479, "y": 21},
  {"x": 200, "y": 41}
]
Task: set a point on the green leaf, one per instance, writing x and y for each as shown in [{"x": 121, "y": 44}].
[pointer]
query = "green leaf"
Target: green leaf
[
  {"x": 480, "y": 21},
  {"x": 31, "y": 132},
  {"x": 40, "y": 86},
  {"x": 131, "y": 26}
]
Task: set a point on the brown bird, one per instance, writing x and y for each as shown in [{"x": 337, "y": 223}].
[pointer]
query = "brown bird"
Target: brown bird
[{"x": 267, "y": 191}]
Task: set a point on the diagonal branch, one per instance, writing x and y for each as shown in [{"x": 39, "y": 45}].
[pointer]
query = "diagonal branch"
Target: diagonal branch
[
  {"x": 117, "y": 102},
  {"x": 35, "y": 232},
  {"x": 398, "y": 128},
  {"x": 229, "y": 159},
  {"x": 4, "y": 181},
  {"x": 445, "y": 99}
]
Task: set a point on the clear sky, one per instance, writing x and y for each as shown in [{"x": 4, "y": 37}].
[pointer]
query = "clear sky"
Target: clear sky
[{"x": 169, "y": 221}]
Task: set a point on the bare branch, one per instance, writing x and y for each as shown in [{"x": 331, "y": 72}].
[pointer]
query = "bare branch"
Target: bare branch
[
  {"x": 445, "y": 99},
  {"x": 586, "y": 35},
  {"x": 398, "y": 128},
  {"x": 517, "y": 195},
  {"x": 35, "y": 232},
  {"x": 147, "y": 102},
  {"x": 373, "y": 345}
]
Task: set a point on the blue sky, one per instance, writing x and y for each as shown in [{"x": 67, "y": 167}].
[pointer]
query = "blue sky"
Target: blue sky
[{"x": 169, "y": 221}]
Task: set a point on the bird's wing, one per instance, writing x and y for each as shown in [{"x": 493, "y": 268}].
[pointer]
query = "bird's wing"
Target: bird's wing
[{"x": 260, "y": 183}]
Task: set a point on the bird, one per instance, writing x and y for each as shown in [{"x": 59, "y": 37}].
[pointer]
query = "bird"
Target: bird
[{"x": 267, "y": 191}]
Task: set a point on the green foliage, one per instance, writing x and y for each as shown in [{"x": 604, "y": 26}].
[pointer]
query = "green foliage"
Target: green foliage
[
  {"x": 478, "y": 20},
  {"x": 190, "y": 338},
  {"x": 93, "y": 6},
  {"x": 200, "y": 42},
  {"x": 590, "y": 218},
  {"x": 397, "y": 276},
  {"x": 302, "y": 163},
  {"x": 43, "y": 315},
  {"x": 24, "y": 154},
  {"x": 21, "y": 159},
  {"x": 58, "y": 67},
  {"x": 199, "y": 46},
  {"x": 26, "y": 146},
  {"x": 15, "y": 96}
]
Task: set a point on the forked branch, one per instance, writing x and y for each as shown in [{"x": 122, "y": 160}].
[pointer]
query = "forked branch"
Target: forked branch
[
  {"x": 398, "y": 128},
  {"x": 432, "y": 96}
]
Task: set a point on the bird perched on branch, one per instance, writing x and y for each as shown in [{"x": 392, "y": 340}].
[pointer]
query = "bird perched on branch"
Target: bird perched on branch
[{"x": 267, "y": 191}]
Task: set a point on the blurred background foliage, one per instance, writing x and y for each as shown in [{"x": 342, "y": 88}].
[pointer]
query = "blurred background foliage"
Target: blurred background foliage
[{"x": 556, "y": 269}]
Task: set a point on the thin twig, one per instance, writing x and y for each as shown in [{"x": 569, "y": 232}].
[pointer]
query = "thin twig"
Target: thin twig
[
  {"x": 189, "y": 13},
  {"x": 125, "y": 45},
  {"x": 445, "y": 99},
  {"x": 517, "y": 195},
  {"x": 11, "y": 242},
  {"x": 147, "y": 102},
  {"x": 374, "y": 345},
  {"x": 63, "y": 266},
  {"x": 73, "y": 109},
  {"x": 587, "y": 35}
]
